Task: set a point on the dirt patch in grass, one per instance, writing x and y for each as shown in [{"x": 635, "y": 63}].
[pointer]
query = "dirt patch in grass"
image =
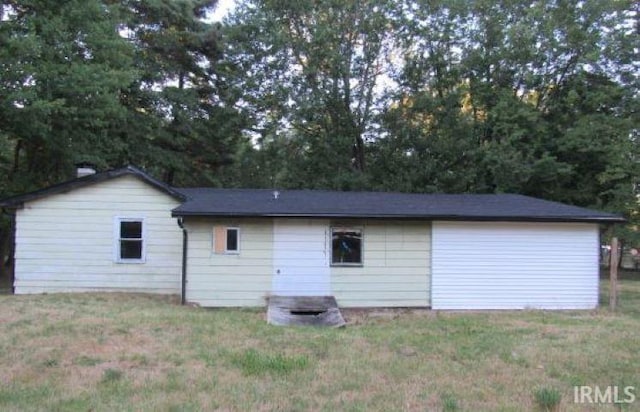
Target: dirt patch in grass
[
  {"x": 358, "y": 316},
  {"x": 115, "y": 351}
]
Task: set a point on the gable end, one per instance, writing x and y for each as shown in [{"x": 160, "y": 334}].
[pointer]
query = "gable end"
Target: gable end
[{"x": 17, "y": 202}]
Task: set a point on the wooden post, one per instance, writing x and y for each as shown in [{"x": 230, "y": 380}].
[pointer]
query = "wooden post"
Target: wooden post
[{"x": 613, "y": 274}]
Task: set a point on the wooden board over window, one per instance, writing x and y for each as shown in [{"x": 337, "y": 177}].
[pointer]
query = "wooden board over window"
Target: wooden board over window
[
  {"x": 219, "y": 239},
  {"x": 226, "y": 240}
]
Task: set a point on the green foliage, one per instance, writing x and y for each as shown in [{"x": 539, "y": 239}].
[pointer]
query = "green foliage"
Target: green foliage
[
  {"x": 111, "y": 83},
  {"x": 440, "y": 96},
  {"x": 547, "y": 398},
  {"x": 308, "y": 73},
  {"x": 449, "y": 403},
  {"x": 63, "y": 69},
  {"x": 111, "y": 375},
  {"x": 491, "y": 103},
  {"x": 189, "y": 125},
  {"x": 409, "y": 95},
  {"x": 253, "y": 362}
]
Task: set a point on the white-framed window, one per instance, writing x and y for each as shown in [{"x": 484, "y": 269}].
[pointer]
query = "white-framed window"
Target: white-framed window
[
  {"x": 346, "y": 246},
  {"x": 232, "y": 240},
  {"x": 129, "y": 240},
  {"x": 226, "y": 240}
]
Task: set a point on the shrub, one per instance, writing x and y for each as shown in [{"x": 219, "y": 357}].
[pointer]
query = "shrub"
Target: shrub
[
  {"x": 449, "y": 403},
  {"x": 111, "y": 375},
  {"x": 547, "y": 398}
]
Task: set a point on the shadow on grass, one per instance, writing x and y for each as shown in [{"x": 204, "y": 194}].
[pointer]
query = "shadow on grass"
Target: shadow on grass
[
  {"x": 623, "y": 274},
  {"x": 5, "y": 285}
]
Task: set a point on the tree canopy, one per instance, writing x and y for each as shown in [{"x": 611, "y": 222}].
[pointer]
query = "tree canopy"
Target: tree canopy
[
  {"x": 538, "y": 98},
  {"x": 111, "y": 83}
]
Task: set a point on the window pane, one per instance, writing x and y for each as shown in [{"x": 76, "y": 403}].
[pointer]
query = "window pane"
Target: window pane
[
  {"x": 131, "y": 230},
  {"x": 131, "y": 249},
  {"x": 346, "y": 246},
  {"x": 232, "y": 239}
]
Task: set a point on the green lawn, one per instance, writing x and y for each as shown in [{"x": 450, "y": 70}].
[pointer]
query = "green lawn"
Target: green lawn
[{"x": 134, "y": 352}]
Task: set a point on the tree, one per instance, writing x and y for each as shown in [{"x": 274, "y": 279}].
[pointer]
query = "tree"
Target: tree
[
  {"x": 593, "y": 131},
  {"x": 181, "y": 91},
  {"x": 63, "y": 66},
  {"x": 111, "y": 83},
  {"x": 114, "y": 82},
  {"x": 498, "y": 75},
  {"x": 429, "y": 144},
  {"x": 309, "y": 72}
]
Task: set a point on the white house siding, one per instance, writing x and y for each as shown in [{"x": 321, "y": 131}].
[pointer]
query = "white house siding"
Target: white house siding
[
  {"x": 493, "y": 265},
  {"x": 242, "y": 279},
  {"x": 65, "y": 242},
  {"x": 396, "y": 267},
  {"x": 395, "y": 271}
]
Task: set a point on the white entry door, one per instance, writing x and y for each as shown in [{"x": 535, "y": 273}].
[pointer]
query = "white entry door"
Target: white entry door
[{"x": 300, "y": 258}]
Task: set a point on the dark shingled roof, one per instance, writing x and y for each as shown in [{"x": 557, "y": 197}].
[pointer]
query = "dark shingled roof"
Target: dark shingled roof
[
  {"x": 332, "y": 204},
  {"x": 18, "y": 201}
]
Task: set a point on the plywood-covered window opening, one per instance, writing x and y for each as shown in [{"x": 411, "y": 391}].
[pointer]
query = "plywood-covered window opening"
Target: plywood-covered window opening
[
  {"x": 130, "y": 240},
  {"x": 226, "y": 240},
  {"x": 346, "y": 246}
]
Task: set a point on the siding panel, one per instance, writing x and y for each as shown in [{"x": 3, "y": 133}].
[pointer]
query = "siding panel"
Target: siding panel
[
  {"x": 396, "y": 267},
  {"x": 221, "y": 280},
  {"x": 65, "y": 242},
  {"x": 514, "y": 265},
  {"x": 395, "y": 271}
]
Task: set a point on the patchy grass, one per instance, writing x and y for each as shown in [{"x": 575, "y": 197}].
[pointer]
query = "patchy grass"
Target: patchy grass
[
  {"x": 253, "y": 362},
  {"x": 449, "y": 403},
  {"x": 111, "y": 375},
  {"x": 106, "y": 352}
]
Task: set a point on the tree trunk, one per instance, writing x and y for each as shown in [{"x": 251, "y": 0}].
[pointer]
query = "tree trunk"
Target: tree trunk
[
  {"x": 359, "y": 153},
  {"x": 169, "y": 176},
  {"x": 4, "y": 246},
  {"x": 7, "y": 244}
]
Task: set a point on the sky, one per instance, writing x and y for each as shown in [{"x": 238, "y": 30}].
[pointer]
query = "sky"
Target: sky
[{"x": 223, "y": 7}]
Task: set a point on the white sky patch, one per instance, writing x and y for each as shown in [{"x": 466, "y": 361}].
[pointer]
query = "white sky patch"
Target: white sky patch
[{"x": 223, "y": 8}]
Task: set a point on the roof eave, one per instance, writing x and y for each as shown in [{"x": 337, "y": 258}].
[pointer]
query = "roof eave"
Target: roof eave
[
  {"x": 17, "y": 202},
  {"x": 557, "y": 219}
]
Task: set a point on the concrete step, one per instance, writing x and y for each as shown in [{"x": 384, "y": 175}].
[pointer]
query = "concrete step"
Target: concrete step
[{"x": 304, "y": 310}]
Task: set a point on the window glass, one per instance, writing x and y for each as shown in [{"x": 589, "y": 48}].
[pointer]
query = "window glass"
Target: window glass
[
  {"x": 130, "y": 242},
  {"x": 131, "y": 249},
  {"x": 346, "y": 246},
  {"x": 232, "y": 240},
  {"x": 131, "y": 230}
]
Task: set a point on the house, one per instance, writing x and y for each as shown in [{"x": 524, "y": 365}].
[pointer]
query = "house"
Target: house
[
  {"x": 122, "y": 230},
  {"x": 110, "y": 231}
]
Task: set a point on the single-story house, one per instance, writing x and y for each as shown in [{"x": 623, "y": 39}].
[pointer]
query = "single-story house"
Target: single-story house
[{"x": 123, "y": 230}]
